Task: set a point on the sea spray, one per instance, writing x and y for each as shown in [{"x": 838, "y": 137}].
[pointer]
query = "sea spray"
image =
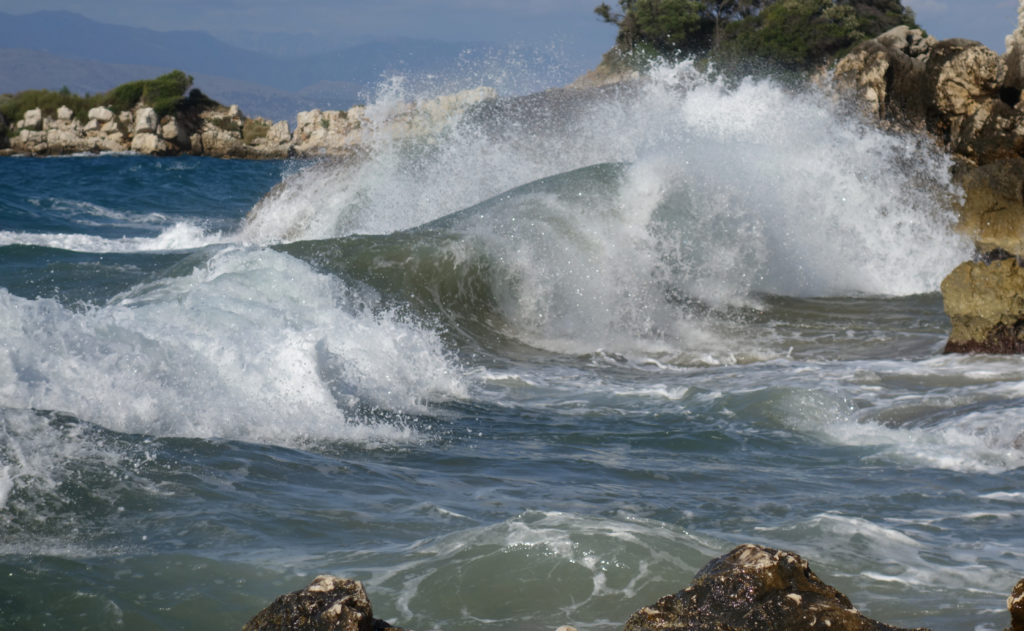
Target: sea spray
[
  {"x": 253, "y": 345},
  {"x": 617, "y": 348},
  {"x": 727, "y": 193}
]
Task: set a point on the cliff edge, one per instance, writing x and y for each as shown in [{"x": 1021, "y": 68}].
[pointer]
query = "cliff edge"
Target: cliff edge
[{"x": 969, "y": 99}]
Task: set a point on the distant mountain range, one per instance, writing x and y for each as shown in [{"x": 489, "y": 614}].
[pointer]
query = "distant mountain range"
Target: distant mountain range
[{"x": 53, "y": 49}]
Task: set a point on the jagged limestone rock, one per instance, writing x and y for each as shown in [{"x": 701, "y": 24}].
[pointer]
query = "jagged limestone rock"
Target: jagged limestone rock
[
  {"x": 993, "y": 210},
  {"x": 328, "y": 604},
  {"x": 150, "y": 144},
  {"x": 887, "y": 75},
  {"x": 32, "y": 120},
  {"x": 145, "y": 121},
  {"x": 955, "y": 89},
  {"x": 100, "y": 114},
  {"x": 754, "y": 588},
  {"x": 985, "y": 302}
]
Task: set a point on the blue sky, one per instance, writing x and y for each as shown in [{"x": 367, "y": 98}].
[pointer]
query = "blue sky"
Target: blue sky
[{"x": 567, "y": 23}]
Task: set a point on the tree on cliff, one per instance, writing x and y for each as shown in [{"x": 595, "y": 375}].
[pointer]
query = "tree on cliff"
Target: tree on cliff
[
  {"x": 792, "y": 34},
  {"x": 798, "y": 34},
  {"x": 673, "y": 27}
]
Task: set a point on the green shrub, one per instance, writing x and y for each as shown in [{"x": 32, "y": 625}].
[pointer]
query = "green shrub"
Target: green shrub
[
  {"x": 227, "y": 124},
  {"x": 787, "y": 35},
  {"x": 165, "y": 95},
  {"x": 254, "y": 130}
]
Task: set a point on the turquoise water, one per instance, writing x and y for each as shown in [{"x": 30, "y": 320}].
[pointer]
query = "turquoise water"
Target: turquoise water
[{"x": 535, "y": 371}]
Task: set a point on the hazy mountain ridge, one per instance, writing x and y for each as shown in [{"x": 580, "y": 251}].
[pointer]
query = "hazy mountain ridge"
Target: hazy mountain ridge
[{"x": 53, "y": 49}]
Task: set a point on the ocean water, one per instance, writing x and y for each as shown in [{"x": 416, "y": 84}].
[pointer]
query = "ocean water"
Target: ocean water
[{"x": 534, "y": 371}]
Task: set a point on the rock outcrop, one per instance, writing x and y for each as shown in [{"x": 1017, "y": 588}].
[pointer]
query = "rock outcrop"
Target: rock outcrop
[
  {"x": 985, "y": 302},
  {"x": 1015, "y": 603},
  {"x": 328, "y": 604},
  {"x": 225, "y": 132},
  {"x": 968, "y": 98},
  {"x": 751, "y": 588},
  {"x": 754, "y": 588}
]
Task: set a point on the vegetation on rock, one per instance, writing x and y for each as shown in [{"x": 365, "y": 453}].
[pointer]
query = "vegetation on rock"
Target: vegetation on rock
[
  {"x": 786, "y": 34},
  {"x": 165, "y": 94}
]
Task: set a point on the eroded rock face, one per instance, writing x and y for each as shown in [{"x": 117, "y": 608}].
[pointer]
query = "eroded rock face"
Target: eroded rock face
[
  {"x": 955, "y": 89},
  {"x": 754, "y": 588},
  {"x": 887, "y": 75},
  {"x": 993, "y": 210},
  {"x": 985, "y": 302},
  {"x": 969, "y": 99},
  {"x": 328, "y": 604}
]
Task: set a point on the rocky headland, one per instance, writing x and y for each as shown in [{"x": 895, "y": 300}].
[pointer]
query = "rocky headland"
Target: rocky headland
[
  {"x": 968, "y": 98},
  {"x": 225, "y": 132},
  {"x": 751, "y": 588}
]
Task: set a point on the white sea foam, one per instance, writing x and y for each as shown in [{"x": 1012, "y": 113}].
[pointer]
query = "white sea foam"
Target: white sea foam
[
  {"x": 252, "y": 346},
  {"x": 180, "y": 236},
  {"x": 731, "y": 192},
  {"x": 597, "y": 561},
  {"x": 872, "y": 551}
]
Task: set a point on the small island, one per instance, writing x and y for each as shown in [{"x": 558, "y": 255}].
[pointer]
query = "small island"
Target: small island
[{"x": 164, "y": 117}]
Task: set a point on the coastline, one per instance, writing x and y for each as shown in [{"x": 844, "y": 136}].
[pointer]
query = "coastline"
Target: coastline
[{"x": 225, "y": 132}]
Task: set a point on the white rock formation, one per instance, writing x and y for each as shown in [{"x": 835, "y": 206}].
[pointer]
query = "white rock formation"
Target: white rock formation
[
  {"x": 145, "y": 120},
  {"x": 101, "y": 114}
]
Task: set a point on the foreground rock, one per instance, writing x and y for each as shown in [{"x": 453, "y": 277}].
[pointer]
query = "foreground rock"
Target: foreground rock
[
  {"x": 985, "y": 302},
  {"x": 757, "y": 589},
  {"x": 225, "y": 132},
  {"x": 328, "y": 604},
  {"x": 1015, "y": 603},
  {"x": 752, "y": 588},
  {"x": 968, "y": 98}
]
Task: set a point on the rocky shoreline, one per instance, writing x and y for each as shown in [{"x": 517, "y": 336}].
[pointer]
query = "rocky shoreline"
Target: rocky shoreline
[
  {"x": 751, "y": 588},
  {"x": 968, "y": 98},
  {"x": 225, "y": 132}
]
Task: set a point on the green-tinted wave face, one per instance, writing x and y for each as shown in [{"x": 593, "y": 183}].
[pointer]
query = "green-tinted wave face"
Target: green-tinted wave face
[{"x": 468, "y": 268}]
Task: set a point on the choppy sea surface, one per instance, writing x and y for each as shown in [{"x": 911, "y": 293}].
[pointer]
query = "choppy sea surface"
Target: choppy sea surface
[{"x": 534, "y": 371}]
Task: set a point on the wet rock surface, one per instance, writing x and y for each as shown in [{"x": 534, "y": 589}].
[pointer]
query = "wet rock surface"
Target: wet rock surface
[
  {"x": 754, "y": 588},
  {"x": 969, "y": 99},
  {"x": 327, "y": 604}
]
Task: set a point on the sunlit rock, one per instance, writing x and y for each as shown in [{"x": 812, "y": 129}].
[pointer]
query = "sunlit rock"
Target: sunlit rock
[
  {"x": 1015, "y": 603},
  {"x": 149, "y": 143},
  {"x": 754, "y": 588},
  {"x": 993, "y": 210},
  {"x": 985, "y": 302},
  {"x": 32, "y": 120},
  {"x": 145, "y": 120},
  {"x": 328, "y": 604},
  {"x": 100, "y": 114}
]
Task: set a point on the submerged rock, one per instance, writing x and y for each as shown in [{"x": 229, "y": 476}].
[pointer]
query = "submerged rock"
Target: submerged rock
[
  {"x": 328, "y": 604},
  {"x": 754, "y": 588}
]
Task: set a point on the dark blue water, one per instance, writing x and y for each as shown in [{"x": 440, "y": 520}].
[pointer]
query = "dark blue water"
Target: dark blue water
[{"x": 509, "y": 380}]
